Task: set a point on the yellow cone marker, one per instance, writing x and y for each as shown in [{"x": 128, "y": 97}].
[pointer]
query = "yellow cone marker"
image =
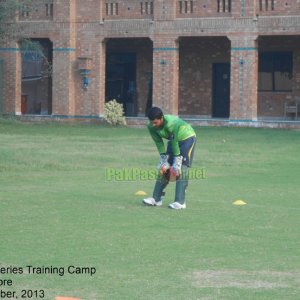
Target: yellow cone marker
[
  {"x": 140, "y": 193},
  {"x": 239, "y": 202}
]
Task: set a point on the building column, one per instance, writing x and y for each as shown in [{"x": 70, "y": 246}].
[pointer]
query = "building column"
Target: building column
[
  {"x": 91, "y": 47},
  {"x": 100, "y": 77},
  {"x": 64, "y": 60},
  {"x": 90, "y": 100},
  {"x": 11, "y": 76},
  {"x": 63, "y": 100},
  {"x": 166, "y": 74},
  {"x": 244, "y": 77}
]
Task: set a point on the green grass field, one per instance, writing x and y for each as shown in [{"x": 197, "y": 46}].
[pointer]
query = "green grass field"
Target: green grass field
[{"x": 57, "y": 209}]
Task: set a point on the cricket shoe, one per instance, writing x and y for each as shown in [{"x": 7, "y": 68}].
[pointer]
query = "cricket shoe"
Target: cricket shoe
[
  {"x": 152, "y": 202},
  {"x": 177, "y": 205}
]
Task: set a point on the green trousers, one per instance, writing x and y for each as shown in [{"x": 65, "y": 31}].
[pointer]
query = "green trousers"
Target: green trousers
[{"x": 181, "y": 186}]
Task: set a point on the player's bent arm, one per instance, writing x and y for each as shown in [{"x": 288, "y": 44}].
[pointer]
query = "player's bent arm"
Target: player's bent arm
[{"x": 157, "y": 140}]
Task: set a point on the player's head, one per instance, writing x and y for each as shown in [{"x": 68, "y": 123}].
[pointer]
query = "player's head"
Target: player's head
[{"x": 156, "y": 117}]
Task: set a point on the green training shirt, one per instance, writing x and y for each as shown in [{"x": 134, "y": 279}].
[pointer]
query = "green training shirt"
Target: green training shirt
[{"x": 174, "y": 129}]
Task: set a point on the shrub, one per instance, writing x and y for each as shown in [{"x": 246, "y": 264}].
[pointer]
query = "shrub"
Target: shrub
[{"x": 114, "y": 113}]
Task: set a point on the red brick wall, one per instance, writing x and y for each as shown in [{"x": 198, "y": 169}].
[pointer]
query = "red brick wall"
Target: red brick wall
[
  {"x": 202, "y": 9},
  {"x": 164, "y": 9},
  {"x": 243, "y": 83},
  {"x": 36, "y": 10},
  {"x": 65, "y": 75},
  {"x": 280, "y": 7},
  {"x": 166, "y": 73},
  {"x": 115, "y": 9},
  {"x": 90, "y": 11},
  {"x": 11, "y": 78},
  {"x": 185, "y": 44}
]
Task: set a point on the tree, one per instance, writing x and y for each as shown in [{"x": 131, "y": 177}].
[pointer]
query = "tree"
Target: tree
[{"x": 9, "y": 10}]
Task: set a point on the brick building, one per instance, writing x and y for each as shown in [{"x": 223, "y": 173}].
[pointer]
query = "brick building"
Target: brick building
[{"x": 227, "y": 59}]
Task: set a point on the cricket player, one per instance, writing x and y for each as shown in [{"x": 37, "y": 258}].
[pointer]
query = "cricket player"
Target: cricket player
[{"x": 175, "y": 158}]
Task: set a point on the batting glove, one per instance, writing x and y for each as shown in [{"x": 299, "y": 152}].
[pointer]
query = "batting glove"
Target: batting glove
[
  {"x": 163, "y": 165},
  {"x": 176, "y": 167}
]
